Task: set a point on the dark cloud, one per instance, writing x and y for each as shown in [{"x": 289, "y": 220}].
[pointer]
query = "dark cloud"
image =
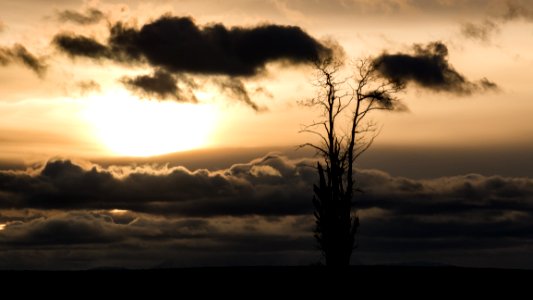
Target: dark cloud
[
  {"x": 76, "y": 45},
  {"x": 85, "y": 239},
  {"x": 91, "y": 16},
  {"x": 162, "y": 85},
  {"x": 459, "y": 195},
  {"x": 19, "y": 54},
  {"x": 68, "y": 229},
  {"x": 178, "y": 45},
  {"x": 428, "y": 67},
  {"x": 98, "y": 227},
  {"x": 96, "y": 238}
]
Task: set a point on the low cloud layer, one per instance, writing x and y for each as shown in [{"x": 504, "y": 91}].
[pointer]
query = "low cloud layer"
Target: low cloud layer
[
  {"x": 20, "y": 55},
  {"x": 428, "y": 67},
  {"x": 174, "y": 191},
  {"x": 128, "y": 239},
  {"x": 91, "y": 16},
  {"x": 272, "y": 185},
  {"x": 258, "y": 212}
]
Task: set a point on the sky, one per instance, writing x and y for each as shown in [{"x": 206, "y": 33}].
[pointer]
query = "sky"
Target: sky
[{"x": 163, "y": 133}]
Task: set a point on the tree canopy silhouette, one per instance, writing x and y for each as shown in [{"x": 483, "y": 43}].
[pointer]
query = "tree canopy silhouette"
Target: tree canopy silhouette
[{"x": 344, "y": 103}]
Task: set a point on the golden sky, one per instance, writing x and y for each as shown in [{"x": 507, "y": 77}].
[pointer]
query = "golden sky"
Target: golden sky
[{"x": 81, "y": 107}]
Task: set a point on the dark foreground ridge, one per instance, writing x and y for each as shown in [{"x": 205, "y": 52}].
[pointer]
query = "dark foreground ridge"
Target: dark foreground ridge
[
  {"x": 276, "y": 281},
  {"x": 282, "y": 272}
]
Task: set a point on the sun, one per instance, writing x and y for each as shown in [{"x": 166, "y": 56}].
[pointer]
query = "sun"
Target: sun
[{"x": 128, "y": 126}]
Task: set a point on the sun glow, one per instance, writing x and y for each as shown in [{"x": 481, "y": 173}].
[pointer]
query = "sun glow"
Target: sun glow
[
  {"x": 128, "y": 126},
  {"x": 118, "y": 211}
]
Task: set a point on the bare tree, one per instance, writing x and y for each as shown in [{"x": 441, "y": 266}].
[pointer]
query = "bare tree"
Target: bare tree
[{"x": 344, "y": 103}]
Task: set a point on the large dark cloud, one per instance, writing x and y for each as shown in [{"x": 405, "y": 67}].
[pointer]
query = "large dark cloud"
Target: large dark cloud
[
  {"x": 91, "y": 16},
  {"x": 428, "y": 67},
  {"x": 252, "y": 213},
  {"x": 19, "y": 54},
  {"x": 178, "y": 46}
]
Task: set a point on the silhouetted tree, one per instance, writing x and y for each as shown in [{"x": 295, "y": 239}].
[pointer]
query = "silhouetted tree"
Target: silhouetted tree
[{"x": 345, "y": 103}]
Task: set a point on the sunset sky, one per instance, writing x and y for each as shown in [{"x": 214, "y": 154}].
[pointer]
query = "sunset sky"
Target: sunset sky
[{"x": 117, "y": 149}]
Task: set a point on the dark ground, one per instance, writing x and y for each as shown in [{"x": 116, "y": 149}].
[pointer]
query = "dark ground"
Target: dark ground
[
  {"x": 376, "y": 279},
  {"x": 293, "y": 283}
]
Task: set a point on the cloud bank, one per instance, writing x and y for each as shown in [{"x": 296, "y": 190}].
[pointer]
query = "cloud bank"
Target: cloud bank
[
  {"x": 257, "y": 212},
  {"x": 272, "y": 185}
]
